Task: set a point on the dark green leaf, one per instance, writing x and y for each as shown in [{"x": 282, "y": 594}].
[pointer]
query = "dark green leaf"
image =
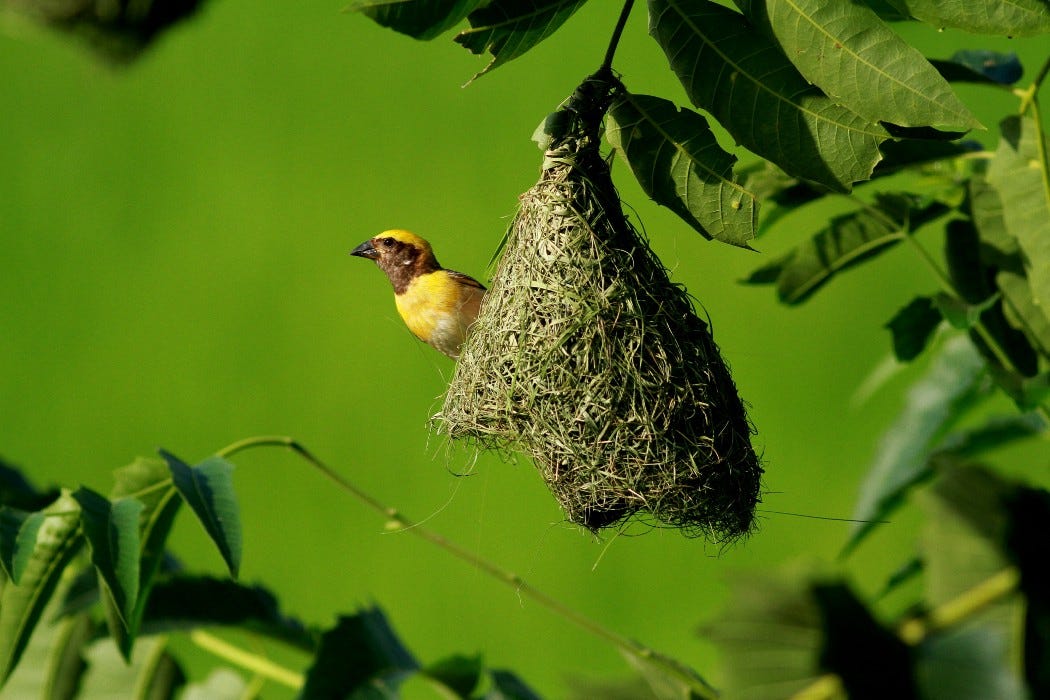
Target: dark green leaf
[
  {"x": 994, "y": 432},
  {"x": 21, "y": 605},
  {"x": 1032, "y": 318},
  {"x": 847, "y": 51},
  {"x": 18, "y": 531},
  {"x": 912, "y": 328},
  {"x": 852, "y": 638},
  {"x": 420, "y": 19},
  {"x": 898, "y": 155},
  {"x": 506, "y": 685},
  {"x": 908, "y": 571},
  {"x": 185, "y": 602},
  {"x": 208, "y": 489},
  {"x": 17, "y": 492},
  {"x": 678, "y": 163},
  {"x": 360, "y": 653},
  {"x": 998, "y": 248},
  {"x": 738, "y": 75},
  {"x": 508, "y": 28},
  {"x": 1003, "y": 17},
  {"x": 112, "y": 532},
  {"x": 933, "y": 403},
  {"x": 981, "y": 66},
  {"x": 459, "y": 674},
  {"x": 148, "y": 480},
  {"x": 846, "y": 241},
  {"x": 1020, "y": 174}
]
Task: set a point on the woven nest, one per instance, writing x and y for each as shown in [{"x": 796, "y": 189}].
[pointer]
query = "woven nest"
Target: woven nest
[{"x": 587, "y": 357}]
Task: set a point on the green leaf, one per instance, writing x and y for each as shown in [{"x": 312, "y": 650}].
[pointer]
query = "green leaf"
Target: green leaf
[
  {"x": 933, "y": 403},
  {"x": 17, "y": 492},
  {"x": 1032, "y": 318},
  {"x": 459, "y": 674},
  {"x": 911, "y": 153},
  {"x": 18, "y": 531},
  {"x": 506, "y": 685},
  {"x": 67, "y": 657},
  {"x": 151, "y": 673},
  {"x": 420, "y": 19},
  {"x": 769, "y": 634},
  {"x": 847, "y": 51},
  {"x": 21, "y": 605},
  {"x": 1003, "y": 17},
  {"x": 112, "y": 532},
  {"x": 221, "y": 684},
  {"x": 738, "y": 75},
  {"x": 1019, "y": 173},
  {"x": 960, "y": 314},
  {"x": 971, "y": 662},
  {"x": 361, "y": 652},
  {"x": 148, "y": 480},
  {"x": 682, "y": 684},
  {"x": 912, "y": 328},
  {"x": 846, "y": 241},
  {"x": 981, "y": 66},
  {"x": 186, "y": 602},
  {"x": 678, "y": 163},
  {"x": 508, "y": 28},
  {"x": 208, "y": 490}
]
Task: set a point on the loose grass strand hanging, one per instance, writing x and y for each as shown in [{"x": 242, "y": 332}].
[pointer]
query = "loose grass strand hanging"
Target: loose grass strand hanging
[{"x": 587, "y": 357}]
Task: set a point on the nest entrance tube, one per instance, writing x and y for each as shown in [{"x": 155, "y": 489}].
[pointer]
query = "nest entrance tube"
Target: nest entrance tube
[{"x": 589, "y": 359}]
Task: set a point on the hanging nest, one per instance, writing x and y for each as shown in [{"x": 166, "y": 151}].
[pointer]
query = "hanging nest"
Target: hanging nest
[{"x": 588, "y": 358}]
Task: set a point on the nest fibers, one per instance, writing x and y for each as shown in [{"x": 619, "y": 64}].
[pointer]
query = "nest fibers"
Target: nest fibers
[{"x": 587, "y": 357}]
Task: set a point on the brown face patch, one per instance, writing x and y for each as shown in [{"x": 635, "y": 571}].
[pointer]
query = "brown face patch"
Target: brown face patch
[{"x": 402, "y": 262}]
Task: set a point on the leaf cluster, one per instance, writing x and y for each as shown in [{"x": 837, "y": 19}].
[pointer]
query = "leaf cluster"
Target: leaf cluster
[{"x": 83, "y": 558}]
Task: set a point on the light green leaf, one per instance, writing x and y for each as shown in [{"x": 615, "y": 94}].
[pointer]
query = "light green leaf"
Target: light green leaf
[
  {"x": 21, "y": 605},
  {"x": 994, "y": 432},
  {"x": 738, "y": 75},
  {"x": 150, "y": 674},
  {"x": 508, "y": 28},
  {"x": 682, "y": 684},
  {"x": 933, "y": 403},
  {"x": 221, "y": 684},
  {"x": 846, "y": 241},
  {"x": 420, "y": 19},
  {"x": 847, "y": 51},
  {"x": 53, "y": 662},
  {"x": 18, "y": 530},
  {"x": 112, "y": 532},
  {"x": 1002, "y": 17},
  {"x": 969, "y": 662},
  {"x": 208, "y": 489},
  {"x": 148, "y": 480},
  {"x": 678, "y": 163},
  {"x": 1020, "y": 174}
]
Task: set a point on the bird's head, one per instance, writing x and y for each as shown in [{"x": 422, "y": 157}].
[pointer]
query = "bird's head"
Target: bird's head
[{"x": 401, "y": 254}]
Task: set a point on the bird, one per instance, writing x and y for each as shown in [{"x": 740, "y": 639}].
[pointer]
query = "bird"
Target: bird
[{"x": 438, "y": 305}]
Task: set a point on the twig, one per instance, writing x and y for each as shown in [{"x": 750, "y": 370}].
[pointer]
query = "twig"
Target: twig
[
  {"x": 402, "y": 523},
  {"x": 606, "y": 66}
]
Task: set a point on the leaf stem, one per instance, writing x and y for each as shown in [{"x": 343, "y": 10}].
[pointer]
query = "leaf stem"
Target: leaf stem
[
  {"x": 402, "y": 523},
  {"x": 614, "y": 41},
  {"x": 253, "y": 662},
  {"x": 1028, "y": 95}
]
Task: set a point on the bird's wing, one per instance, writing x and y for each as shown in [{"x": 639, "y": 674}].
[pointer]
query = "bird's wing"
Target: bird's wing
[{"x": 465, "y": 280}]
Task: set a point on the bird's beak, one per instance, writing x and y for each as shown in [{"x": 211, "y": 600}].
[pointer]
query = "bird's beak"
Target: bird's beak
[{"x": 365, "y": 250}]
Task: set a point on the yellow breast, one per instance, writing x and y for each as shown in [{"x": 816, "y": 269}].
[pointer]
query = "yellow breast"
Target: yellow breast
[{"x": 439, "y": 310}]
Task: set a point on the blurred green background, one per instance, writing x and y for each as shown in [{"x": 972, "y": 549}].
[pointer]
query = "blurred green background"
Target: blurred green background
[{"x": 174, "y": 238}]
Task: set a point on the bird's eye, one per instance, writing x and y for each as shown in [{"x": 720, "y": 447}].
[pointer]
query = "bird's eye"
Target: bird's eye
[{"x": 387, "y": 242}]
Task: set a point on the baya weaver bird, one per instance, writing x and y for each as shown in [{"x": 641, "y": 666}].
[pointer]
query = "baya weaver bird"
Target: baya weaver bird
[{"x": 437, "y": 305}]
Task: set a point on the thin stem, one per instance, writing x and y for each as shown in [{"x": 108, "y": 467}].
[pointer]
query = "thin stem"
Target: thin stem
[
  {"x": 513, "y": 580},
  {"x": 252, "y": 662},
  {"x": 1028, "y": 95},
  {"x": 606, "y": 66}
]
